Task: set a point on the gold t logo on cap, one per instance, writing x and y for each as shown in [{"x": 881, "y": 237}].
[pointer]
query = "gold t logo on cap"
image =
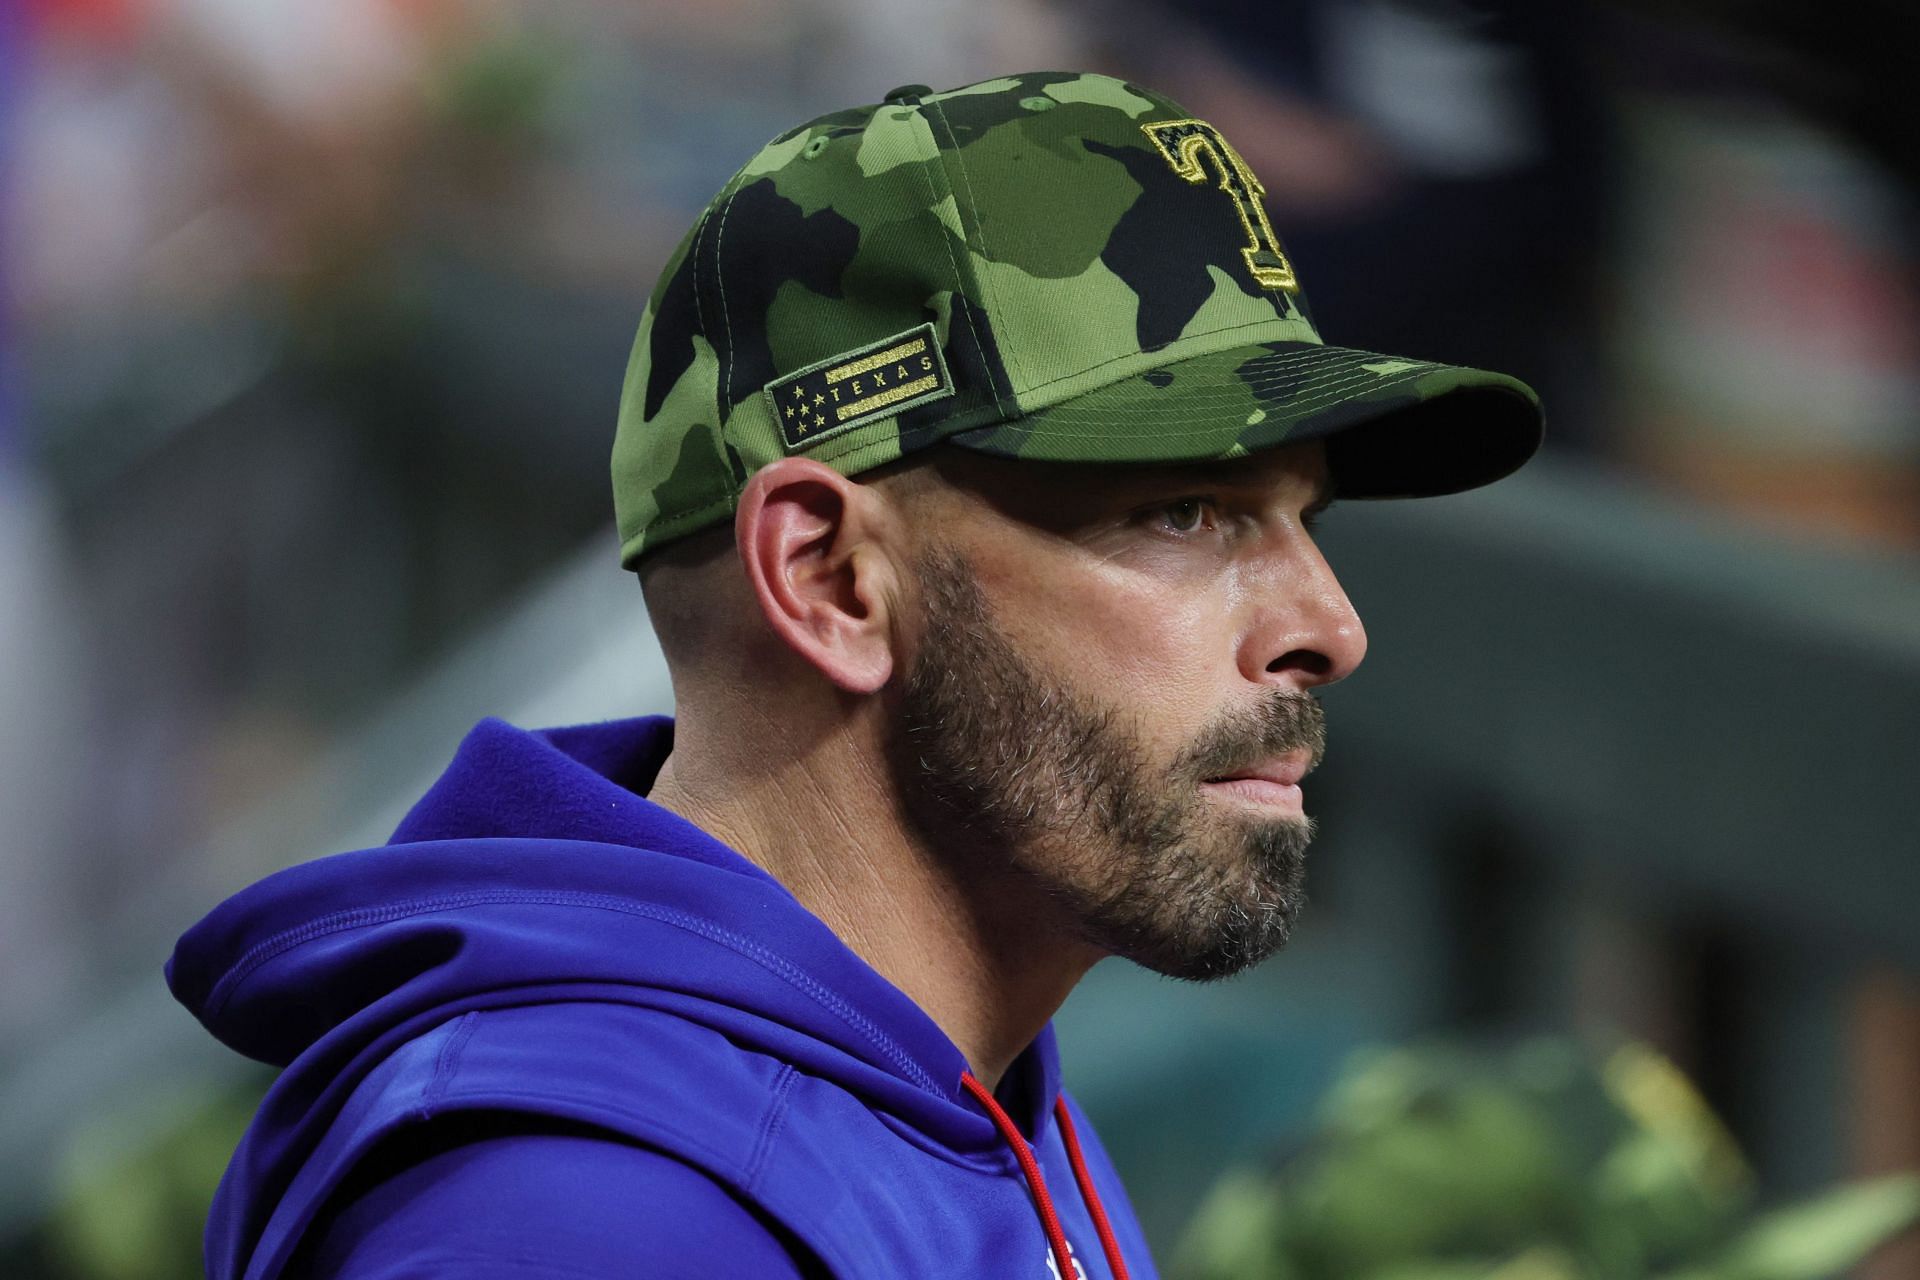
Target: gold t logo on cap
[{"x": 1183, "y": 142}]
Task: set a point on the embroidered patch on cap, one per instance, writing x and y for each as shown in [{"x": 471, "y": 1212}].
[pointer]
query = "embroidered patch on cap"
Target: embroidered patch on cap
[{"x": 875, "y": 381}]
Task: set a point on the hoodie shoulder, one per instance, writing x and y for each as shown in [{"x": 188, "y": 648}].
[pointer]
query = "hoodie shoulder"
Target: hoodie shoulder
[
  {"x": 489, "y": 1194},
  {"x": 636, "y": 1078}
]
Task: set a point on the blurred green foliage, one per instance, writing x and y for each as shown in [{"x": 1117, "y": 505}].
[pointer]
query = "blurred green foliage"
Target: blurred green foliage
[
  {"x": 1536, "y": 1163},
  {"x": 137, "y": 1211}
]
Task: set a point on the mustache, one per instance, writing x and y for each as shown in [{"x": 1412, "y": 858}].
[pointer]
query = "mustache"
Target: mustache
[{"x": 1282, "y": 723}]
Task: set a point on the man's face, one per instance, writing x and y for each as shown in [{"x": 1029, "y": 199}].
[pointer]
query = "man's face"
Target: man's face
[{"x": 1110, "y": 693}]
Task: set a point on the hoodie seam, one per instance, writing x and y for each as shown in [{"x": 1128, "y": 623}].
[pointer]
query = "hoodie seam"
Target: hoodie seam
[
  {"x": 640, "y": 1123},
  {"x": 361, "y": 917},
  {"x": 444, "y": 1064},
  {"x": 769, "y": 1128}
]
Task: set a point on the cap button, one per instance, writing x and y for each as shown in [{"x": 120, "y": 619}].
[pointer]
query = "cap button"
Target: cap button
[{"x": 905, "y": 92}]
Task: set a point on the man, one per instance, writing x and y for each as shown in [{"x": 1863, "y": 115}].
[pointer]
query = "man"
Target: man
[{"x": 968, "y": 458}]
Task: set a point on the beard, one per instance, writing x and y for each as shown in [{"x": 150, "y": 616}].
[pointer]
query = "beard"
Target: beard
[{"x": 998, "y": 763}]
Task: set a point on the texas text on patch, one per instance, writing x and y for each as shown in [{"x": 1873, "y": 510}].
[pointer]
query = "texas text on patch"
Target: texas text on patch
[{"x": 858, "y": 386}]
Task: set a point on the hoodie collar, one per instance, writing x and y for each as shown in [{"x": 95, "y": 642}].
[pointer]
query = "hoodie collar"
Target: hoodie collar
[{"x": 589, "y": 782}]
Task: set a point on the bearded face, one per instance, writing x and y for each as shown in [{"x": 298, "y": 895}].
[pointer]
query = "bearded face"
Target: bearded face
[{"x": 997, "y": 759}]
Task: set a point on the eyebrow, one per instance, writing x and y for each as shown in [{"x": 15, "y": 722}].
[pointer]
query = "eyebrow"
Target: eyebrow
[{"x": 1231, "y": 473}]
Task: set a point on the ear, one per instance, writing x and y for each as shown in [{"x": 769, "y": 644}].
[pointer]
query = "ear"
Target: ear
[{"x": 814, "y": 549}]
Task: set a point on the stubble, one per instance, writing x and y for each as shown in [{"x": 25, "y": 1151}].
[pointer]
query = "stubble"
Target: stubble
[{"x": 997, "y": 760}]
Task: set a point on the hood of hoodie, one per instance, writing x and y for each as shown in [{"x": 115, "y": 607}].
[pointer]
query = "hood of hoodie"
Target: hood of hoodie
[{"x": 532, "y": 882}]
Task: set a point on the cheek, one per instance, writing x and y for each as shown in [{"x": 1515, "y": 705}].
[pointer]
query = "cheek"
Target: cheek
[{"x": 1151, "y": 649}]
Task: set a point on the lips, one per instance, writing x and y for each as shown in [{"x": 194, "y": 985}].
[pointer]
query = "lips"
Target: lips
[
  {"x": 1284, "y": 771},
  {"x": 1272, "y": 785}
]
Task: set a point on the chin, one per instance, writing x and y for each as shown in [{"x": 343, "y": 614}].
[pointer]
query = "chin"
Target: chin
[{"x": 1222, "y": 958}]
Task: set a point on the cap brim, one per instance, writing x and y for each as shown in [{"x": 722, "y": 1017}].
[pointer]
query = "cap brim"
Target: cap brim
[{"x": 1394, "y": 427}]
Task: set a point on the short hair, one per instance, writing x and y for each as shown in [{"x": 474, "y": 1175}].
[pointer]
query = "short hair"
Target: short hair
[{"x": 680, "y": 581}]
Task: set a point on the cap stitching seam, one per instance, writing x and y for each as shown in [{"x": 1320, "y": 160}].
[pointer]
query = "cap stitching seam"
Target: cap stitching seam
[
  {"x": 1322, "y": 394},
  {"x": 1353, "y": 378},
  {"x": 699, "y": 287},
  {"x": 699, "y": 309},
  {"x": 726, "y": 317},
  {"x": 1338, "y": 390},
  {"x": 973, "y": 200},
  {"x": 659, "y": 532},
  {"x": 718, "y": 504},
  {"x": 960, "y": 276},
  {"x": 1328, "y": 396},
  {"x": 699, "y": 292},
  {"x": 1328, "y": 392},
  {"x": 1333, "y": 385},
  {"x": 1131, "y": 355},
  {"x": 885, "y": 430},
  {"x": 854, "y": 446},
  {"x": 1280, "y": 360},
  {"x": 1329, "y": 354}
]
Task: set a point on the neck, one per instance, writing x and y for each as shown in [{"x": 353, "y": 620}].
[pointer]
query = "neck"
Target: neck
[{"x": 981, "y": 950}]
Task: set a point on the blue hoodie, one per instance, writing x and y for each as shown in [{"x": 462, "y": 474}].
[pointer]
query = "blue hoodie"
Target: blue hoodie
[{"x": 554, "y": 1029}]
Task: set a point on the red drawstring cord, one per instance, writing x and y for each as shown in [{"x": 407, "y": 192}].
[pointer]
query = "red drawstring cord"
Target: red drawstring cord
[
  {"x": 1049, "y": 1220},
  {"x": 1087, "y": 1193}
]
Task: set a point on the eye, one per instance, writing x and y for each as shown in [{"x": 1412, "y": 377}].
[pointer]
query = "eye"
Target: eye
[
  {"x": 1310, "y": 518},
  {"x": 1187, "y": 515}
]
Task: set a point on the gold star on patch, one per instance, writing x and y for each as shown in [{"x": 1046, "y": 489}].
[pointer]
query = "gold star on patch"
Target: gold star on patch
[
  {"x": 798, "y": 394},
  {"x": 818, "y": 398},
  {"x": 789, "y": 411}
]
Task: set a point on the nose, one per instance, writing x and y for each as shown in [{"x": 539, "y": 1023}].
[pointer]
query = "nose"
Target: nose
[{"x": 1305, "y": 632}]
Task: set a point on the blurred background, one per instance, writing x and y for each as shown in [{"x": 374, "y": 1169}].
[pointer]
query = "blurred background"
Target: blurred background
[{"x": 313, "y": 319}]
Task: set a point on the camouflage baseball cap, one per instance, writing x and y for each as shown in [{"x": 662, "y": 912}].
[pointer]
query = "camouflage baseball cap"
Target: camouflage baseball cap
[{"x": 1050, "y": 266}]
